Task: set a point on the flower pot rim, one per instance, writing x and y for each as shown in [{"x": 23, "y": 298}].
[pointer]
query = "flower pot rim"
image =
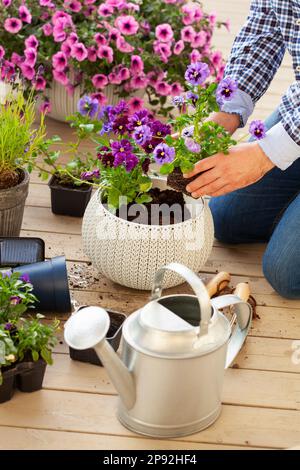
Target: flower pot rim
[
  {"x": 144, "y": 226},
  {"x": 82, "y": 189},
  {"x": 24, "y": 182}
]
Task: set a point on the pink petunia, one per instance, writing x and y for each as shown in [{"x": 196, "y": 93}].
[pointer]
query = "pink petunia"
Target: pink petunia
[
  {"x": 100, "y": 39},
  {"x": 188, "y": 34},
  {"x": 79, "y": 51},
  {"x": 16, "y": 59},
  {"x": 99, "y": 81},
  {"x": 114, "y": 34},
  {"x": 127, "y": 24},
  {"x": 13, "y": 25},
  {"x": 176, "y": 89},
  {"x": 124, "y": 74},
  {"x": 25, "y": 14},
  {"x": 139, "y": 82},
  {"x": 124, "y": 46},
  {"x": 92, "y": 54},
  {"x": 102, "y": 99},
  {"x": 164, "y": 32},
  {"x": 47, "y": 29},
  {"x": 2, "y": 52},
  {"x": 30, "y": 56},
  {"x": 59, "y": 61},
  {"x": 135, "y": 104},
  {"x": 40, "y": 83},
  {"x": 195, "y": 56},
  {"x": 6, "y": 3},
  {"x": 114, "y": 79},
  {"x": 27, "y": 71},
  {"x": 212, "y": 19},
  {"x": 178, "y": 47},
  {"x": 66, "y": 48},
  {"x": 60, "y": 77},
  {"x": 199, "y": 39},
  {"x": 106, "y": 52},
  {"x": 7, "y": 70},
  {"x": 32, "y": 41},
  {"x": 45, "y": 107},
  {"x": 105, "y": 10},
  {"x": 137, "y": 65},
  {"x": 163, "y": 88},
  {"x": 73, "y": 5},
  {"x": 72, "y": 38}
]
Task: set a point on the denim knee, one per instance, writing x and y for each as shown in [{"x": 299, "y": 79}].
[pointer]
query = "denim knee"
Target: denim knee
[
  {"x": 223, "y": 222},
  {"x": 280, "y": 271}
]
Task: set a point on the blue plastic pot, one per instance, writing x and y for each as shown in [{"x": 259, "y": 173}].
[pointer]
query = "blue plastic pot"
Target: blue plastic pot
[{"x": 50, "y": 284}]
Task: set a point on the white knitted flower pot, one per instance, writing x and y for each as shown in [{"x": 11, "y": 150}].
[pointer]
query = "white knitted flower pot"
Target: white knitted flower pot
[
  {"x": 63, "y": 105},
  {"x": 130, "y": 254}
]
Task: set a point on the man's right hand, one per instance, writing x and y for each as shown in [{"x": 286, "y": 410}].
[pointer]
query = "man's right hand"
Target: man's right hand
[{"x": 231, "y": 122}]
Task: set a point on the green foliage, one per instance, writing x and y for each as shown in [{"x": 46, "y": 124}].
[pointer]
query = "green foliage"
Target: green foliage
[
  {"x": 8, "y": 351},
  {"x": 15, "y": 296},
  {"x": 19, "y": 139},
  {"x": 36, "y": 339}
]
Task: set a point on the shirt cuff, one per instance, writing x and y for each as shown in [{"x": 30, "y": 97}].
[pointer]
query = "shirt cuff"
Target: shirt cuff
[
  {"x": 281, "y": 149},
  {"x": 240, "y": 104}
]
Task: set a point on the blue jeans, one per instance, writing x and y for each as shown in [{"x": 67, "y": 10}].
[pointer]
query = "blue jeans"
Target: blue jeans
[{"x": 267, "y": 211}]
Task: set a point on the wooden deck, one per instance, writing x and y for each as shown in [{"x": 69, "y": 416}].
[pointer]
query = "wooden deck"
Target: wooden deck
[{"x": 76, "y": 408}]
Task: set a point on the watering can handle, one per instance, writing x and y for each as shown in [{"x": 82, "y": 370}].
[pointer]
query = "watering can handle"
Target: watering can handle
[
  {"x": 243, "y": 312},
  {"x": 196, "y": 284}
]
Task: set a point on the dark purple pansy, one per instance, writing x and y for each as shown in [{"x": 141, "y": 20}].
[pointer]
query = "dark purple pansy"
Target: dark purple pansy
[
  {"x": 257, "y": 129},
  {"x": 151, "y": 144},
  {"x": 25, "y": 278},
  {"x": 226, "y": 90},
  {"x": 121, "y": 147},
  {"x": 159, "y": 129},
  {"x": 120, "y": 125},
  {"x": 140, "y": 118}
]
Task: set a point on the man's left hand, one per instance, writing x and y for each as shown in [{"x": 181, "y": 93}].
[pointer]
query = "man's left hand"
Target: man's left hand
[{"x": 244, "y": 165}]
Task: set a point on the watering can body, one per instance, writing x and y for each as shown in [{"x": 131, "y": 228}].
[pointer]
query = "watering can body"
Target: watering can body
[{"x": 171, "y": 372}]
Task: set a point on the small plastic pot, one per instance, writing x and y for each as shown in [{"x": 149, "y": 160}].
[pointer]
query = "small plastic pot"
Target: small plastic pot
[
  {"x": 19, "y": 251},
  {"x": 8, "y": 385},
  {"x": 113, "y": 337},
  {"x": 31, "y": 376},
  {"x": 70, "y": 201},
  {"x": 50, "y": 284}
]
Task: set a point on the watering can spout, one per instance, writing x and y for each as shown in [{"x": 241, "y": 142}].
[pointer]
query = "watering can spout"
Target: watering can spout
[{"x": 87, "y": 329}]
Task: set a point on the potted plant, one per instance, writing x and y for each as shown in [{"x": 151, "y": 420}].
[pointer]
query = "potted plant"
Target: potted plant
[
  {"x": 25, "y": 343},
  {"x": 111, "y": 48},
  {"x": 18, "y": 150},
  {"x": 69, "y": 194}
]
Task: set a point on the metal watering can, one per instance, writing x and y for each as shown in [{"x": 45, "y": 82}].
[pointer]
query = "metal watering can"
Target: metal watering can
[{"x": 170, "y": 374}]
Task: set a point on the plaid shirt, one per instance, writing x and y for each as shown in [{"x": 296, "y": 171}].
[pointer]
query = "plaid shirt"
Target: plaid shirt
[{"x": 272, "y": 27}]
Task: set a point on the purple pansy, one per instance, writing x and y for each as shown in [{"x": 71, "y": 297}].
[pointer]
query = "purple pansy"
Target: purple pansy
[
  {"x": 226, "y": 90},
  {"x": 178, "y": 101},
  {"x": 120, "y": 125},
  {"x": 15, "y": 300},
  {"x": 121, "y": 148},
  {"x": 8, "y": 326},
  {"x": 25, "y": 278},
  {"x": 140, "y": 118},
  {"x": 88, "y": 106},
  {"x": 197, "y": 73},
  {"x": 257, "y": 129},
  {"x": 192, "y": 145},
  {"x": 142, "y": 134},
  {"x": 128, "y": 160},
  {"x": 164, "y": 154},
  {"x": 151, "y": 144},
  {"x": 159, "y": 129},
  {"x": 193, "y": 97}
]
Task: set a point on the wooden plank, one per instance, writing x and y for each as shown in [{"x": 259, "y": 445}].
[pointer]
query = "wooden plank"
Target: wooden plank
[
  {"x": 13, "y": 438},
  {"x": 93, "y": 413},
  {"x": 242, "y": 387},
  {"x": 270, "y": 354}
]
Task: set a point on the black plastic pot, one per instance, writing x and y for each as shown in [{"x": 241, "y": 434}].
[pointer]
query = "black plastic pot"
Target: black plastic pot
[
  {"x": 113, "y": 337},
  {"x": 50, "y": 284},
  {"x": 31, "y": 376},
  {"x": 7, "y": 387},
  {"x": 19, "y": 251},
  {"x": 69, "y": 200}
]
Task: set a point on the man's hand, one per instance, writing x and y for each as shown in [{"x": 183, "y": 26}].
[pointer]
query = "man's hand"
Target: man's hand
[{"x": 244, "y": 165}]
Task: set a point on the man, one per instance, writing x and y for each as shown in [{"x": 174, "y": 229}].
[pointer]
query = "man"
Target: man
[{"x": 256, "y": 187}]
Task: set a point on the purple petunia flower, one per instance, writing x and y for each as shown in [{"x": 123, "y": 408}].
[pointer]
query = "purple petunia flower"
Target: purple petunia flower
[
  {"x": 192, "y": 145},
  {"x": 226, "y": 90},
  {"x": 121, "y": 147},
  {"x": 129, "y": 160},
  {"x": 25, "y": 278},
  {"x": 257, "y": 129},
  {"x": 142, "y": 134},
  {"x": 164, "y": 154},
  {"x": 159, "y": 129},
  {"x": 88, "y": 106},
  {"x": 197, "y": 73},
  {"x": 193, "y": 97}
]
